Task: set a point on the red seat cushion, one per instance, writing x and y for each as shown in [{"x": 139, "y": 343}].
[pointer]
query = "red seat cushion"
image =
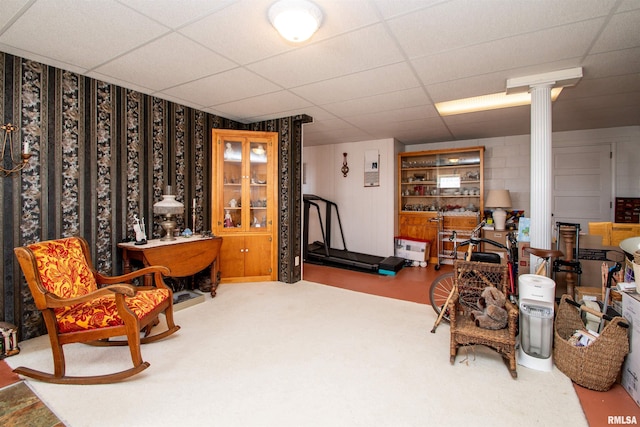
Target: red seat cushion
[
  {"x": 64, "y": 271},
  {"x": 103, "y": 312}
]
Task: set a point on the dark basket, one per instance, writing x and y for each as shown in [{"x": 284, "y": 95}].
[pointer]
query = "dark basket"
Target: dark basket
[{"x": 597, "y": 365}]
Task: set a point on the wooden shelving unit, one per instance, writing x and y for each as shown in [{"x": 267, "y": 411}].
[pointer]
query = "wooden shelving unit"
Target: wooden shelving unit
[{"x": 449, "y": 182}]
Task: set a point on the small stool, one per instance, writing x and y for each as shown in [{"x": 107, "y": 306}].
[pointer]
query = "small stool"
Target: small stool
[{"x": 546, "y": 255}]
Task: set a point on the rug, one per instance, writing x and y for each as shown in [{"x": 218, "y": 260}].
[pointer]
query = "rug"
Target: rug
[
  {"x": 19, "y": 406},
  {"x": 304, "y": 354}
]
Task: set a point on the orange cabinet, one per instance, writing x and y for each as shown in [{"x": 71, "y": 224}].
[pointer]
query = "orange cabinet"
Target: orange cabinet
[
  {"x": 419, "y": 226},
  {"x": 247, "y": 258},
  {"x": 245, "y": 203}
]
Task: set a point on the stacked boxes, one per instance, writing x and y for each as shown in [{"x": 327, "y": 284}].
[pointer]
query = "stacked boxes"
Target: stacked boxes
[
  {"x": 631, "y": 367},
  {"x": 412, "y": 249},
  {"x": 524, "y": 258}
]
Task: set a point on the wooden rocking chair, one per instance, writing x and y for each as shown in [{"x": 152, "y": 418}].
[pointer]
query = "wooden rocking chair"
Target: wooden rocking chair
[{"x": 80, "y": 305}]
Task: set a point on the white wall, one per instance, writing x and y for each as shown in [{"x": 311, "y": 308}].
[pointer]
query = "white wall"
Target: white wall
[{"x": 370, "y": 214}]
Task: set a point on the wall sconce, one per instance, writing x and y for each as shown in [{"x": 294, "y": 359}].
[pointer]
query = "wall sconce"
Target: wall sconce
[
  {"x": 16, "y": 165},
  {"x": 168, "y": 207},
  {"x": 345, "y": 168}
]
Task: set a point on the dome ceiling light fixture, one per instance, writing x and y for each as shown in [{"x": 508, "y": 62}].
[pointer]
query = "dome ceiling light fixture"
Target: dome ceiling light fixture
[{"x": 295, "y": 20}]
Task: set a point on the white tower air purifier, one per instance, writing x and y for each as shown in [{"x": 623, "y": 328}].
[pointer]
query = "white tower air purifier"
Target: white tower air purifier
[{"x": 537, "y": 295}]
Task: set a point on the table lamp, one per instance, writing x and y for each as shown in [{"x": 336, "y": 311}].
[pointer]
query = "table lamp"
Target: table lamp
[
  {"x": 499, "y": 199},
  {"x": 168, "y": 207}
]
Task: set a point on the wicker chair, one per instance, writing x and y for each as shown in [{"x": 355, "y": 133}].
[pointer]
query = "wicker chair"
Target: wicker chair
[{"x": 470, "y": 279}]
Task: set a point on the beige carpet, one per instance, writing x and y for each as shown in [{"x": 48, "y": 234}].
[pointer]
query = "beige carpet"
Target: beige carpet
[{"x": 273, "y": 354}]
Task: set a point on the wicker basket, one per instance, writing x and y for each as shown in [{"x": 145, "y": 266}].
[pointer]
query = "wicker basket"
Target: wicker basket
[{"x": 597, "y": 365}]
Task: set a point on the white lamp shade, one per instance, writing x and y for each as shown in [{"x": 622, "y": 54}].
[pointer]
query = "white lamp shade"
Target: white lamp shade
[
  {"x": 295, "y": 20},
  {"x": 498, "y": 199},
  {"x": 168, "y": 206}
]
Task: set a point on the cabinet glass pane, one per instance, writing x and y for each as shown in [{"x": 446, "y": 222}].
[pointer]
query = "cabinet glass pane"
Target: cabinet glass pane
[
  {"x": 448, "y": 182},
  {"x": 232, "y": 184},
  {"x": 258, "y": 159}
]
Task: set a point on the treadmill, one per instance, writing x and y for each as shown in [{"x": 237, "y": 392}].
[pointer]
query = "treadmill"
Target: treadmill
[{"x": 322, "y": 252}]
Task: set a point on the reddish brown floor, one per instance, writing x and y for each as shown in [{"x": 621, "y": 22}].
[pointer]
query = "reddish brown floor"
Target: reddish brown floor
[
  {"x": 6, "y": 375},
  {"x": 412, "y": 284}
]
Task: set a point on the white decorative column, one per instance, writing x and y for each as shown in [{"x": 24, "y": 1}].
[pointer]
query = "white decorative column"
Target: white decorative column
[
  {"x": 541, "y": 200},
  {"x": 541, "y": 168}
]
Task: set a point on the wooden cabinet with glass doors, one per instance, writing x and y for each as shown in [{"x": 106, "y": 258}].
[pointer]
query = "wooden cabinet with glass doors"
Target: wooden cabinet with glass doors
[
  {"x": 245, "y": 167},
  {"x": 440, "y": 191}
]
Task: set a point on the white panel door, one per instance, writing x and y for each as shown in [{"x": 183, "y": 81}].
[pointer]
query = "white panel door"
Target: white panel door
[{"x": 582, "y": 184}]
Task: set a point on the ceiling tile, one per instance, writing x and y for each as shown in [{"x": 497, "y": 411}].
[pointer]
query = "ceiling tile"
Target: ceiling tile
[
  {"x": 385, "y": 79},
  {"x": 504, "y": 54},
  {"x": 380, "y": 103},
  {"x": 166, "y": 62},
  {"x": 270, "y": 105},
  {"x": 454, "y": 24},
  {"x": 350, "y": 53},
  {"x": 328, "y": 125},
  {"x": 329, "y": 136},
  {"x": 232, "y": 85},
  {"x": 393, "y": 8},
  {"x": 621, "y": 32},
  {"x": 87, "y": 33},
  {"x": 42, "y": 59},
  {"x": 118, "y": 82},
  {"x": 603, "y": 86},
  {"x": 377, "y": 120},
  {"x": 175, "y": 14},
  {"x": 626, "y": 5},
  {"x": 9, "y": 9},
  {"x": 628, "y": 99},
  {"x": 615, "y": 63}
]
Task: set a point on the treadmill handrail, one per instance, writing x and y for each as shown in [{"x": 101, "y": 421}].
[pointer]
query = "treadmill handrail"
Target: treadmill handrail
[
  {"x": 324, "y": 238},
  {"x": 307, "y": 198}
]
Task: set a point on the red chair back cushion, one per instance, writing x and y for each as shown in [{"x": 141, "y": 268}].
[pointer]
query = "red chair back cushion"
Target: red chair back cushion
[{"x": 63, "y": 267}]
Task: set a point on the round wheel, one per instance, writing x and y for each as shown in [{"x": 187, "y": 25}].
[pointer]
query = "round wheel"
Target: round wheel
[
  {"x": 437, "y": 267},
  {"x": 439, "y": 292}
]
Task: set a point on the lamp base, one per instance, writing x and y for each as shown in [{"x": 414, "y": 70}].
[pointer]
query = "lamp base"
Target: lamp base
[
  {"x": 499, "y": 219},
  {"x": 168, "y": 225}
]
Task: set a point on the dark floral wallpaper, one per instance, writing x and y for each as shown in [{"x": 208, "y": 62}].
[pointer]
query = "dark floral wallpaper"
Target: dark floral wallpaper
[{"x": 102, "y": 154}]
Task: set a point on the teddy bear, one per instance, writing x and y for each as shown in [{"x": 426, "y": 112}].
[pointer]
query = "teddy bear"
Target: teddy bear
[{"x": 491, "y": 313}]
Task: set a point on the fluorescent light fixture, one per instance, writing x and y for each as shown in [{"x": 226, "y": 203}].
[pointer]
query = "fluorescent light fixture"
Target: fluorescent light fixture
[
  {"x": 493, "y": 101},
  {"x": 295, "y": 20}
]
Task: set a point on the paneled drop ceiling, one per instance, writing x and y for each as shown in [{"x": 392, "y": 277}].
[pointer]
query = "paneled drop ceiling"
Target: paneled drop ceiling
[{"x": 374, "y": 69}]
